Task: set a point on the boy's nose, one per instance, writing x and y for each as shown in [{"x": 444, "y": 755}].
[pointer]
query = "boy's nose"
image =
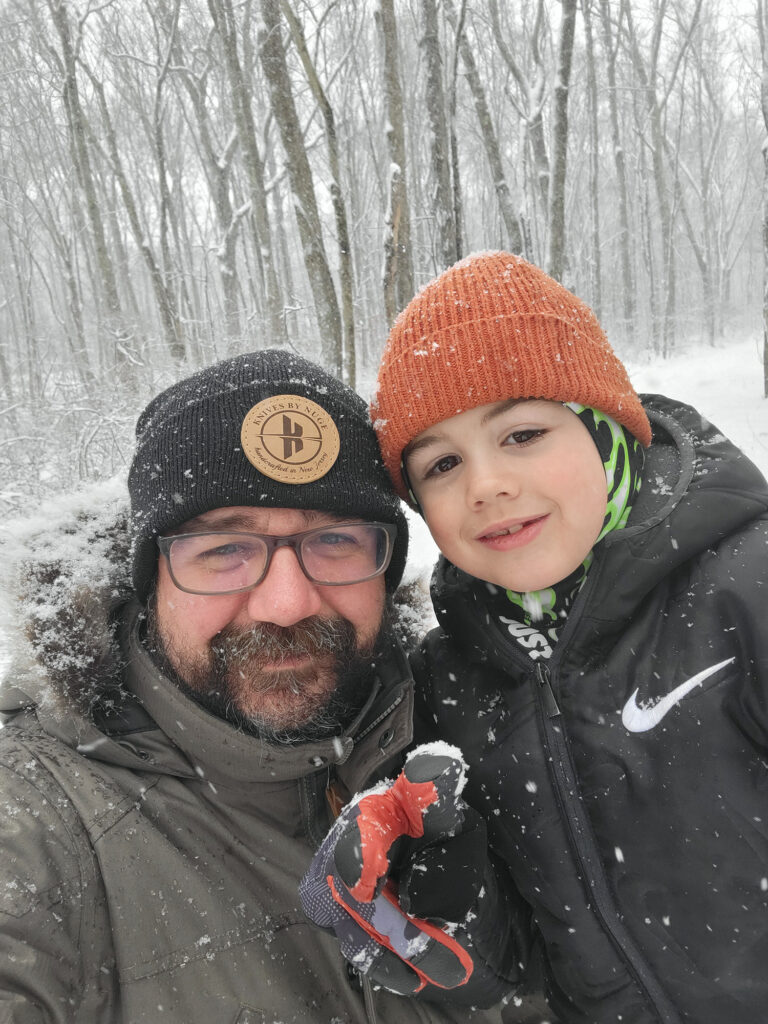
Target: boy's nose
[
  {"x": 489, "y": 480},
  {"x": 285, "y": 595}
]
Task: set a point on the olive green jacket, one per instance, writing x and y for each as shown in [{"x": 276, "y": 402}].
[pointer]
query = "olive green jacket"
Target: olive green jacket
[{"x": 150, "y": 854}]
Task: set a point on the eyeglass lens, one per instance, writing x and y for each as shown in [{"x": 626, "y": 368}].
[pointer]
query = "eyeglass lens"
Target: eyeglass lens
[{"x": 214, "y": 563}]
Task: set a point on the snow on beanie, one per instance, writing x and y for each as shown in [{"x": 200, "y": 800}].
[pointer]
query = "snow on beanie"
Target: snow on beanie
[
  {"x": 491, "y": 327},
  {"x": 267, "y": 429}
]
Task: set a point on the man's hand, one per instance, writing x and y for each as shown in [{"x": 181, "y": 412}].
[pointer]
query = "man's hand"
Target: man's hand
[{"x": 397, "y": 854}]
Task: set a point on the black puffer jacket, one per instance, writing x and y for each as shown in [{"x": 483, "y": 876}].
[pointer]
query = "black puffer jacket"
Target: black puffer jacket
[{"x": 625, "y": 780}]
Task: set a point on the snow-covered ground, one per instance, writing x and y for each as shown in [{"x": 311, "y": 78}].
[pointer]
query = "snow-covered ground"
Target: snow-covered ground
[{"x": 725, "y": 384}]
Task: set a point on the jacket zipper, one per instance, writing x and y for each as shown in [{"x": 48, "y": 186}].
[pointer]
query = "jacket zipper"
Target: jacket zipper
[
  {"x": 590, "y": 866},
  {"x": 547, "y": 696}
]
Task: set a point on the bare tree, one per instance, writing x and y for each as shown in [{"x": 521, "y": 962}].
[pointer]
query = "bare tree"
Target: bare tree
[
  {"x": 655, "y": 105},
  {"x": 594, "y": 162},
  {"x": 273, "y": 61},
  {"x": 557, "y": 253},
  {"x": 440, "y": 142},
  {"x": 337, "y": 195},
  {"x": 217, "y": 155},
  {"x": 223, "y": 17},
  {"x": 169, "y": 317},
  {"x": 398, "y": 273},
  {"x": 81, "y": 159},
  {"x": 514, "y": 239},
  {"x": 610, "y": 47},
  {"x": 762, "y": 27},
  {"x": 152, "y": 185},
  {"x": 532, "y": 90}
]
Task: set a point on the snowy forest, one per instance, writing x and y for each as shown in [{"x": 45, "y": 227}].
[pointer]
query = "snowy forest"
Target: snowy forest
[{"x": 183, "y": 181}]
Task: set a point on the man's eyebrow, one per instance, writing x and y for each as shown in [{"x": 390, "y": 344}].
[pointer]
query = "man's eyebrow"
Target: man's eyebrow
[{"x": 239, "y": 521}]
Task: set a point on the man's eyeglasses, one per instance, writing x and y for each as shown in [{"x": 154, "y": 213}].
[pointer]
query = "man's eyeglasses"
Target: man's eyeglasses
[{"x": 229, "y": 562}]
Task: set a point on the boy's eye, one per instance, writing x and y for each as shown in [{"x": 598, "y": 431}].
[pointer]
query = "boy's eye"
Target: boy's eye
[
  {"x": 523, "y": 437},
  {"x": 442, "y": 465}
]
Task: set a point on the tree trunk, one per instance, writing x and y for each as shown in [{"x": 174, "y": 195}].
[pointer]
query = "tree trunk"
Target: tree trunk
[
  {"x": 76, "y": 123},
  {"x": 762, "y": 25},
  {"x": 458, "y": 202},
  {"x": 441, "y": 147},
  {"x": 490, "y": 142},
  {"x": 272, "y": 54},
  {"x": 349, "y": 361},
  {"x": 557, "y": 255},
  {"x": 654, "y": 110},
  {"x": 398, "y": 272},
  {"x": 594, "y": 164},
  {"x": 169, "y": 317},
  {"x": 533, "y": 91},
  {"x": 218, "y": 175},
  {"x": 224, "y": 22},
  {"x": 625, "y": 260}
]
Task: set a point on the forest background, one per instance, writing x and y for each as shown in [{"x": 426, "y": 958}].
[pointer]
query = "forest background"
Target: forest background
[{"x": 184, "y": 181}]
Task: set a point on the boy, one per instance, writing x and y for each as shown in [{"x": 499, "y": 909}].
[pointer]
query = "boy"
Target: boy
[{"x": 602, "y": 655}]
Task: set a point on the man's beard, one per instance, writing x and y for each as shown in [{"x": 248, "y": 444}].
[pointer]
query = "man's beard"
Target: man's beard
[{"x": 296, "y": 704}]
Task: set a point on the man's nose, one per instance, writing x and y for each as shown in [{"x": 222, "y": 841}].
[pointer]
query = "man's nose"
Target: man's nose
[
  {"x": 285, "y": 595},
  {"x": 490, "y": 478}
]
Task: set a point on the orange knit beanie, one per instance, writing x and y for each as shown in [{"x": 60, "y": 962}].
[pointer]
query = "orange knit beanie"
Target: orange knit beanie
[{"x": 491, "y": 327}]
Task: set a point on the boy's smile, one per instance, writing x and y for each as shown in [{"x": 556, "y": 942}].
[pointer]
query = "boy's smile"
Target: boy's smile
[
  {"x": 513, "y": 492},
  {"x": 512, "y": 534}
]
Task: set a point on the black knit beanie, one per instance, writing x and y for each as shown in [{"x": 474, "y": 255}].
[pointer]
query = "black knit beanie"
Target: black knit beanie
[{"x": 264, "y": 429}]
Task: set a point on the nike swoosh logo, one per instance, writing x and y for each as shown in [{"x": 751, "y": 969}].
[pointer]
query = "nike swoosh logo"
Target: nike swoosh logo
[{"x": 641, "y": 719}]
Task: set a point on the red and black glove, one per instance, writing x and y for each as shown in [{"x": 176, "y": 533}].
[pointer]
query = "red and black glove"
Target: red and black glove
[{"x": 396, "y": 855}]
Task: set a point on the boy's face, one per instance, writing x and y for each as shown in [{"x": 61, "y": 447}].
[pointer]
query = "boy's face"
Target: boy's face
[{"x": 513, "y": 492}]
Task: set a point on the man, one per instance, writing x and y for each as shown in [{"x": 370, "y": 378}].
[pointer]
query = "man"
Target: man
[{"x": 175, "y": 746}]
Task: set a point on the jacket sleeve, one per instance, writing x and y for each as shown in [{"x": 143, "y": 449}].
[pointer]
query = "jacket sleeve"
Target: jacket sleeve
[
  {"x": 498, "y": 942},
  {"x": 47, "y": 900},
  {"x": 735, "y": 582}
]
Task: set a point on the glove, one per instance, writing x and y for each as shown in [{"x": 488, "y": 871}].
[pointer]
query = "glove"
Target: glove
[{"x": 396, "y": 851}]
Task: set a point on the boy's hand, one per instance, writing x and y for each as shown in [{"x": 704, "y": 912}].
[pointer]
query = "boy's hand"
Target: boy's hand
[{"x": 396, "y": 855}]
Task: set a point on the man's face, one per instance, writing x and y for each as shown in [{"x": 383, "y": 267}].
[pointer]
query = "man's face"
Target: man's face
[{"x": 276, "y": 657}]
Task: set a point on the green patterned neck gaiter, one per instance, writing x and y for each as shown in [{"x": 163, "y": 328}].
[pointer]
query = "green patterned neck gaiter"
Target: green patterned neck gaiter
[{"x": 538, "y": 616}]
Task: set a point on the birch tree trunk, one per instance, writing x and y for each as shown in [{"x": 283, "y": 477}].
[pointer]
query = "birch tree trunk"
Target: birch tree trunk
[{"x": 272, "y": 54}]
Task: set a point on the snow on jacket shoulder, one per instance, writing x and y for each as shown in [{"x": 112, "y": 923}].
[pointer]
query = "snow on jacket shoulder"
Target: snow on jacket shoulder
[
  {"x": 624, "y": 780},
  {"x": 150, "y": 854}
]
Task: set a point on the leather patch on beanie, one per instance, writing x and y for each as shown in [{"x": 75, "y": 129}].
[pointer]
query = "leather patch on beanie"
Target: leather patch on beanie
[{"x": 290, "y": 439}]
